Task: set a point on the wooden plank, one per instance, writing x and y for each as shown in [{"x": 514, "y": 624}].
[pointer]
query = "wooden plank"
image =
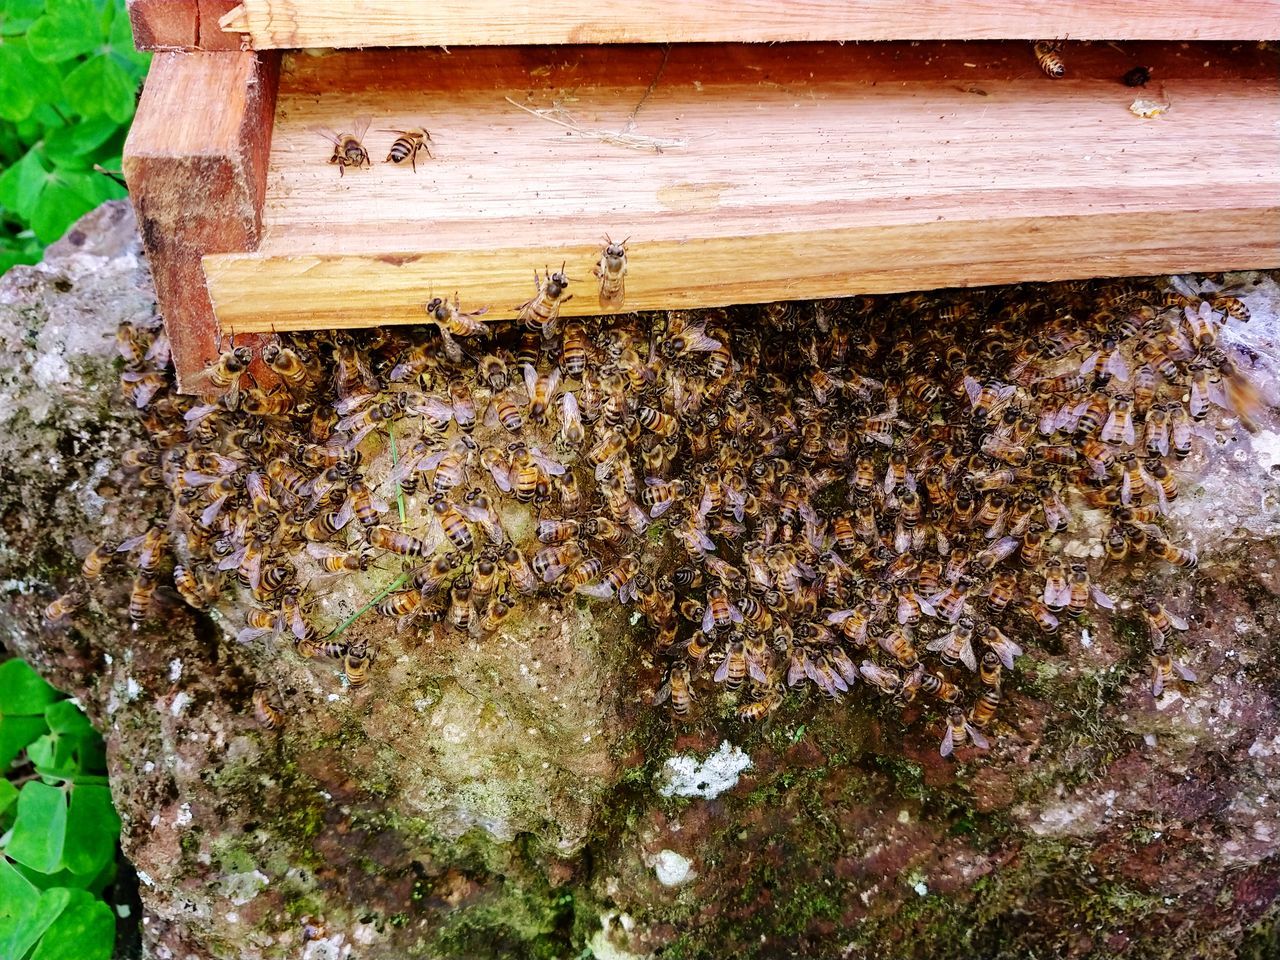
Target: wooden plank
[
  {"x": 195, "y": 161},
  {"x": 354, "y": 23},
  {"x": 791, "y": 171},
  {"x": 210, "y": 35},
  {"x": 163, "y": 24}
]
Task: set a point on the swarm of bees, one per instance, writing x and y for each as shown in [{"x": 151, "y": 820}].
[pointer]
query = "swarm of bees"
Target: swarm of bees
[{"x": 868, "y": 492}]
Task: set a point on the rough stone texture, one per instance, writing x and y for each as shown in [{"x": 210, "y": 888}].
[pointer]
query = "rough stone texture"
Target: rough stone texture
[{"x": 516, "y": 798}]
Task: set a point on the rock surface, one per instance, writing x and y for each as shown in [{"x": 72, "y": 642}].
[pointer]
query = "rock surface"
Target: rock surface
[{"x": 520, "y": 798}]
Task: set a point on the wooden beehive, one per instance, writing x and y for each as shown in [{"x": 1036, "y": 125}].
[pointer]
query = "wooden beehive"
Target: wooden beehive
[{"x": 805, "y": 167}]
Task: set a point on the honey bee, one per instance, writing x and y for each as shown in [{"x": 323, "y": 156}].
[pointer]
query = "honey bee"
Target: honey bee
[
  {"x": 363, "y": 503},
  {"x": 198, "y": 588},
  {"x": 1000, "y": 645},
  {"x": 451, "y": 522},
  {"x": 684, "y": 338},
  {"x": 733, "y": 671},
  {"x": 348, "y": 150},
  {"x": 1119, "y": 425},
  {"x": 956, "y": 645},
  {"x": 140, "y": 597},
  {"x": 887, "y": 682},
  {"x": 1000, "y": 591},
  {"x": 225, "y": 372},
  {"x": 139, "y": 458},
  {"x": 721, "y": 612},
  {"x": 757, "y": 710},
  {"x": 449, "y": 318},
  {"x": 408, "y": 144},
  {"x": 1048, "y": 56},
  {"x": 268, "y": 715},
  {"x": 519, "y": 571},
  {"x": 985, "y": 707},
  {"x": 543, "y": 311},
  {"x": 150, "y": 547},
  {"x": 575, "y": 349},
  {"x": 62, "y": 607},
  {"x": 1057, "y": 591},
  {"x": 355, "y": 664},
  {"x": 959, "y": 732},
  {"x": 611, "y": 271},
  {"x": 97, "y": 560},
  {"x": 401, "y": 544},
  {"x": 678, "y": 688},
  {"x": 503, "y": 410},
  {"x": 896, "y": 644},
  {"x": 335, "y": 560},
  {"x": 1160, "y": 621},
  {"x": 297, "y": 373},
  {"x": 1165, "y": 670}
]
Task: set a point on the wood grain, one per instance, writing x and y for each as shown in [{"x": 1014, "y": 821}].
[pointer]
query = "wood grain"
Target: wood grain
[
  {"x": 195, "y": 161},
  {"x": 163, "y": 24},
  {"x": 351, "y": 23},
  {"x": 802, "y": 171}
]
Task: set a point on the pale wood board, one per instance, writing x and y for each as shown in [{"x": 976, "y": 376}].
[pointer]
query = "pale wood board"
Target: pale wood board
[
  {"x": 807, "y": 170},
  {"x": 355, "y": 23}
]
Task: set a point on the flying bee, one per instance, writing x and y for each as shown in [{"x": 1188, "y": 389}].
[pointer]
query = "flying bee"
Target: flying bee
[
  {"x": 956, "y": 645},
  {"x": 408, "y": 144},
  {"x": 959, "y": 732},
  {"x": 543, "y": 311},
  {"x": 348, "y": 149},
  {"x": 1048, "y": 56},
  {"x": 1165, "y": 670},
  {"x": 266, "y": 713},
  {"x": 1160, "y": 621},
  {"x": 678, "y": 688},
  {"x": 611, "y": 271}
]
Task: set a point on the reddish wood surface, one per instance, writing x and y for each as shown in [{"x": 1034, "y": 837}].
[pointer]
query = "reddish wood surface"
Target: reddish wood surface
[
  {"x": 163, "y": 24},
  {"x": 196, "y": 161},
  {"x": 210, "y": 36}
]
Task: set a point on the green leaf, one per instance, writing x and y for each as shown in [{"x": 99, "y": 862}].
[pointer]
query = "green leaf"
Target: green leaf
[
  {"x": 65, "y": 717},
  {"x": 84, "y": 930},
  {"x": 67, "y": 196},
  {"x": 98, "y": 87},
  {"x": 92, "y": 830},
  {"x": 69, "y": 29},
  {"x": 8, "y": 794},
  {"x": 16, "y": 733},
  {"x": 21, "y": 919},
  {"x": 73, "y": 146},
  {"x": 16, "y": 98},
  {"x": 121, "y": 38},
  {"x": 41, "y": 828},
  {"x": 22, "y": 690}
]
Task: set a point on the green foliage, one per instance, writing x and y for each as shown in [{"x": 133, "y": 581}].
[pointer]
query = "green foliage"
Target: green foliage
[
  {"x": 58, "y": 829},
  {"x": 68, "y": 81}
]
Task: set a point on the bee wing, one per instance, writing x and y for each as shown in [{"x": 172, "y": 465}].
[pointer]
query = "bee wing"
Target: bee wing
[
  {"x": 552, "y": 466},
  {"x": 354, "y": 440},
  {"x": 131, "y": 544},
  {"x": 553, "y": 383},
  {"x": 402, "y": 469},
  {"x": 948, "y": 743},
  {"x": 660, "y": 508},
  {"x": 194, "y": 478},
  {"x": 1126, "y": 489},
  {"x": 1157, "y": 682},
  {"x": 249, "y": 634},
  {"x": 360, "y": 126},
  {"x": 697, "y": 341},
  {"x": 324, "y": 551},
  {"x": 501, "y": 474},
  {"x": 327, "y": 133},
  {"x": 735, "y": 614},
  {"x": 232, "y": 561},
  {"x": 1177, "y": 621},
  {"x": 1118, "y": 366},
  {"x": 570, "y": 412},
  {"x": 1129, "y": 433},
  {"x": 967, "y": 656},
  {"x": 600, "y": 591},
  {"x": 1057, "y": 595},
  {"x": 1090, "y": 362},
  {"x": 349, "y": 405},
  {"x": 927, "y": 608},
  {"x": 939, "y": 642},
  {"x": 723, "y": 671},
  {"x": 433, "y": 408},
  {"x": 345, "y": 513},
  {"x": 662, "y": 693},
  {"x": 210, "y": 513},
  {"x": 976, "y": 736},
  {"x": 530, "y": 379},
  {"x": 973, "y": 389},
  {"x": 199, "y": 413},
  {"x": 1185, "y": 672},
  {"x": 757, "y": 671},
  {"x": 839, "y": 616},
  {"x": 708, "y": 620},
  {"x": 1101, "y": 598}
]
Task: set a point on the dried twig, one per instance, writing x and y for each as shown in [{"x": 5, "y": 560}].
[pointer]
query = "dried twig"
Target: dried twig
[{"x": 633, "y": 141}]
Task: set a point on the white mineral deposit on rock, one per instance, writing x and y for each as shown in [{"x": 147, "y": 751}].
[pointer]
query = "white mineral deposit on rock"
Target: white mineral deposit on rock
[
  {"x": 672, "y": 869},
  {"x": 687, "y": 776}
]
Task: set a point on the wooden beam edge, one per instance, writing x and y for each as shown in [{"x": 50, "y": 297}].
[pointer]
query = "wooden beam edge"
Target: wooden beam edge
[{"x": 260, "y": 293}]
